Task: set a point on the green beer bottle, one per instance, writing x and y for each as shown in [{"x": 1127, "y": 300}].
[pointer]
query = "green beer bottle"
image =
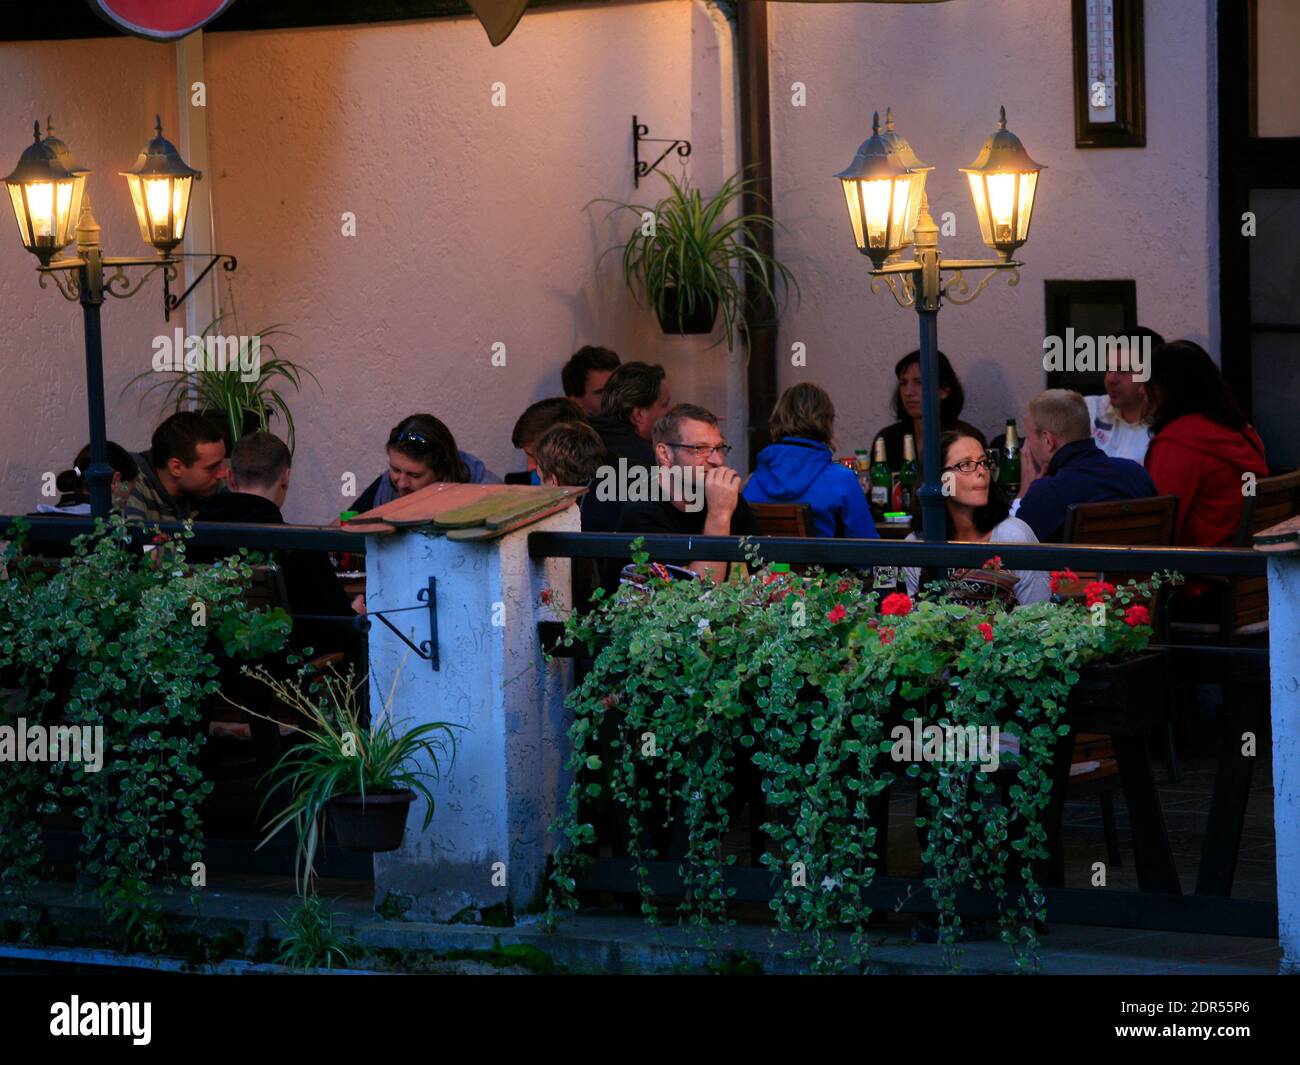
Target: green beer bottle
[
  {"x": 908, "y": 475},
  {"x": 882, "y": 481},
  {"x": 1009, "y": 461}
]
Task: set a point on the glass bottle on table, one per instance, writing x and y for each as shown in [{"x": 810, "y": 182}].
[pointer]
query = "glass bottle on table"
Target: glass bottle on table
[
  {"x": 1009, "y": 461},
  {"x": 908, "y": 475},
  {"x": 882, "y": 481},
  {"x": 862, "y": 467}
]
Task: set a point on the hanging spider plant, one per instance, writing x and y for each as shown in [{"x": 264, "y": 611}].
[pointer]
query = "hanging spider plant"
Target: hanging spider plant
[
  {"x": 240, "y": 406},
  {"x": 693, "y": 262}
]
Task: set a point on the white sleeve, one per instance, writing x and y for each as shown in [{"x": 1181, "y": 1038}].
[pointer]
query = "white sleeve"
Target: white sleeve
[{"x": 1033, "y": 585}]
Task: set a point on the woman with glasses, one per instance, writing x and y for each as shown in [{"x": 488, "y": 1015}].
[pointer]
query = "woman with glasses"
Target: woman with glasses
[
  {"x": 801, "y": 468},
  {"x": 978, "y": 512},
  {"x": 421, "y": 452}
]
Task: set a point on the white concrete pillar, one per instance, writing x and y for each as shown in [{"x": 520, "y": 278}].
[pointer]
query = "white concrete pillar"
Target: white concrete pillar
[
  {"x": 487, "y": 843},
  {"x": 1284, "y": 682}
]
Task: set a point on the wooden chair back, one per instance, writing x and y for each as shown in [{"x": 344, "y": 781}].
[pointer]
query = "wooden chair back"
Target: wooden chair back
[
  {"x": 1148, "y": 522},
  {"x": 1275, "y": 500},
  {"x": 783, "y": 519}
]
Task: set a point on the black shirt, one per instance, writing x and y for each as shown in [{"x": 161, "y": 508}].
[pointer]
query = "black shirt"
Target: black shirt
[
  {"x": 662, "y": 517},
  {"x": 309, "y": 579}
]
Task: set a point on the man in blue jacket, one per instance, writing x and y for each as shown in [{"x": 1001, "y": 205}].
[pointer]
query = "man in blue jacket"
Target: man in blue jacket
[
  {"x": 1058, "y": 434},
  {"x": 800, "y": 468}
]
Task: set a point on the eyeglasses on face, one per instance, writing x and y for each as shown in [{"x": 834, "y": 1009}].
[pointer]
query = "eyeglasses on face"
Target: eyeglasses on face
[
  {"x": 702, "y": 450},
  {"x": 970, "y": 465}
]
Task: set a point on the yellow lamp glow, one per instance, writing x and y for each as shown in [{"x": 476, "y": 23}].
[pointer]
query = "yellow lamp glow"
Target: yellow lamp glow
[
  {"x": 1003, "y": 180},
  {"x": 883, "y": 193},
  {"x": 43, "y": 192},
  {"x": 160, "y": 184}
]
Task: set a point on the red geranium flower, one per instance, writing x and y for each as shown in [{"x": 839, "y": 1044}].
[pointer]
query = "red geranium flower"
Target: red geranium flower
[
  {"x": 844, "y": 586},
  {"x": 547, "y": 595},
  {"x": 886, "y": 636},
  {"x": 993, "y": 563},
  {"x": 837, "y": 614},
  {"x": 987, "y": 630},
  {"x": 896, "y": 603},
  {"x": 1061, "y": 576},
  {"x": 1098, "y": 592},
  {"x": 1137, "y": 615}
]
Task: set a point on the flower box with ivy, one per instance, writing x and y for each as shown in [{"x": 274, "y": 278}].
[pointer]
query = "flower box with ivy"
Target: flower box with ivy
[{"x": 808, "y": 678}]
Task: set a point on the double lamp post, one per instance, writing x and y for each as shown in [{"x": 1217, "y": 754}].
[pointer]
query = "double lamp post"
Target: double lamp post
[
  {"x": 48, "y": 192},
  {"x": 884, "y": 188}
]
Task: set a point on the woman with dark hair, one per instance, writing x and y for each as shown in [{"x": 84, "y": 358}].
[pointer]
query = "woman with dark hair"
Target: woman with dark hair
[
  {"x": 75, "y": 494},
  {"x": 1203, "y": 447},
  {"x": 801, "y": 468},
  {"x": 907, "y": 406},
  {"x": 421, "y": 452},
  {"x": 978, "y": 511}
]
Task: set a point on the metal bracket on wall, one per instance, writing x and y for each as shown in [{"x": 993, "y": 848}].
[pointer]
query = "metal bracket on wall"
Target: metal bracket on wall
[
  {"x": 171, "y": 302},
  {"x": 641, "y": 169},
  {"x": 428, "y": 649}
]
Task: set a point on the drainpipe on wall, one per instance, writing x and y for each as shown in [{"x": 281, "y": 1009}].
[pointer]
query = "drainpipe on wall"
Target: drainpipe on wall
[
  {"x": 200, "y": 232},
  {"x": 756, "y": 159}
]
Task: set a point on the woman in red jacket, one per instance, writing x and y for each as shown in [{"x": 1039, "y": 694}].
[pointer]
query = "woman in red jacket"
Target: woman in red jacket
[{"x": 1203, "y": 447}]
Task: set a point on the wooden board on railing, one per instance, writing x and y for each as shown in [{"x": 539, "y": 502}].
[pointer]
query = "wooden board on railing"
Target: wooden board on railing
[
  {"x": 473, "y": 511},
  {"x": 1281, "y": 538}
]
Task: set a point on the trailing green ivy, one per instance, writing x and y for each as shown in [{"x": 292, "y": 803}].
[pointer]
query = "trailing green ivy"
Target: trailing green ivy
[
  {"x": 122, "y": 640},
  {"x": 812, "y": 680}
]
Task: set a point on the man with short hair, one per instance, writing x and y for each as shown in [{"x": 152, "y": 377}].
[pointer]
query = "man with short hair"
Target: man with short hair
[
  {"x": 691, "y": 455},
  {"x": 1120, "y": 425},
  {"x": 186, "y": 462},
  {"x": 585, "y": 374},
  {"x": 1059, "y": 437},
  {"x": 536, "y": 419},
  {"x": 572, "y": 454},
  {"x": 260, "y": 466},
  {"x": 635, "y": 398}
]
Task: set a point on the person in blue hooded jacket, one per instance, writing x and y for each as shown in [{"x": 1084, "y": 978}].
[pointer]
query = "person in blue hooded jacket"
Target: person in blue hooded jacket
[{"x": 800, "y": 467}]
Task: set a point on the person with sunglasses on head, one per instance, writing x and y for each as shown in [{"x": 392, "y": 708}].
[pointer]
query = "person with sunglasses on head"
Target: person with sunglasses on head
[
  {"x": 801, "y": 468},
  {"x": 978, "y": 511},
  {"x": 421, "y": 452},
  {"x": 702, "y": 493}
]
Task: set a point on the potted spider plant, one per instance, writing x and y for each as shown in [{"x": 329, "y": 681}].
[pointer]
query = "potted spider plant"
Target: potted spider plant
[
  {"x": 240, "y": 402},
  {"x": 362, "y": 779},
  {"x": 692, "y": 257}
]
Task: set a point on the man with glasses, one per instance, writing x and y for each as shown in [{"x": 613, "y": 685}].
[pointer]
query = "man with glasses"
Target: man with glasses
[{"x": 699, "y": 495}]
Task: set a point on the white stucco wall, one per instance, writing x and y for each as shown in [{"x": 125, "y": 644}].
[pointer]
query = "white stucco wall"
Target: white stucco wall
[{"x": 472, "y": 227}]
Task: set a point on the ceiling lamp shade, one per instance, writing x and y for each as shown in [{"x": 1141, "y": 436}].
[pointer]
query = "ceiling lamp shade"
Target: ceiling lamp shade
[
  {"x": 883, "y": 193},
  {"x": 42, "y": 189},
  {"x": 1003, "y": 180},
  {"x": 161, "y": 183}
]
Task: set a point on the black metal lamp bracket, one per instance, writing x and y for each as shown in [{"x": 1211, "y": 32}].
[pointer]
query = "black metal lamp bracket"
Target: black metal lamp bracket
[
  {"x": 641, "y": 169},
  {"x": 170, "y": 301},
  {"x": 428, "y": 649}
]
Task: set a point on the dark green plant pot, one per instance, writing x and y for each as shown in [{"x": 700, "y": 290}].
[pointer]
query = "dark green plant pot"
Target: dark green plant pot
[
  {"x": 691, "y": 321},
  {"x": 376, "y": 825}
]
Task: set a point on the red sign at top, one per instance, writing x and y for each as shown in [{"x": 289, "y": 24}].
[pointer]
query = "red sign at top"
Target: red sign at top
[{"x": 160, "y": 20}]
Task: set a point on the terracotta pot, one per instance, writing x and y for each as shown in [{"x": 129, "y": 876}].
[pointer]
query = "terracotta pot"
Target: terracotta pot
[
  {"x": 700, "y": 319},
  {"x": 376, "y": 825}
]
